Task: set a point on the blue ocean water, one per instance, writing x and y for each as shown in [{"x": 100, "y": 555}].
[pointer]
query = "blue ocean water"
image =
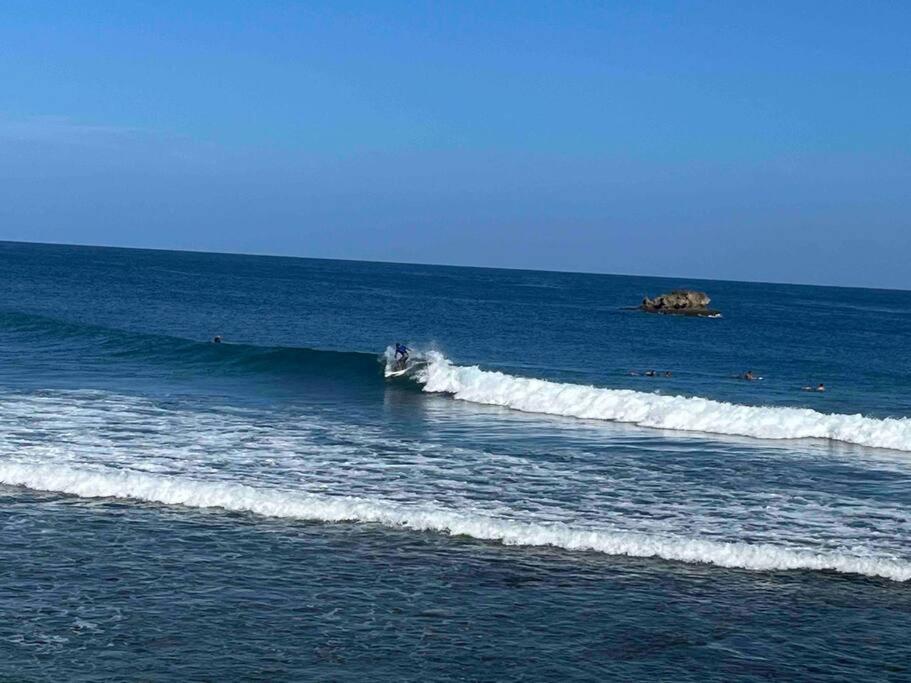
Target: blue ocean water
[{"x": 519, "y": 507}]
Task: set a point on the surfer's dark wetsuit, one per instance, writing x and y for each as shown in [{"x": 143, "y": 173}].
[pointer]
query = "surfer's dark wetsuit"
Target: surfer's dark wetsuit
[{"x": 401, "y": 355}]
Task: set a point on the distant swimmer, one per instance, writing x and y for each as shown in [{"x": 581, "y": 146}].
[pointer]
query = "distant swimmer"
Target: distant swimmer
[
  {"x": 819, "y": 387},
  {"x": 216, "y": 339},
  {"x": 650, "y": 373},
  {"x": 748, "y": 376}
]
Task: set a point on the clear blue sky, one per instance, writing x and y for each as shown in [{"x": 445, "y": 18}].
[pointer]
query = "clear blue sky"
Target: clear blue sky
[{"x": 738, "y": 140}]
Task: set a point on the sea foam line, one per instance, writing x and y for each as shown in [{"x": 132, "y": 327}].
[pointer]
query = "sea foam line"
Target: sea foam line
[
  {"x": 654, "y": 410},
  {"x": 274, "y": 503}
]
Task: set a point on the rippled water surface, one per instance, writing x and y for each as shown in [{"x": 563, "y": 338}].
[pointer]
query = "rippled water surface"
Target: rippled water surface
[{"x": 520, "y": 506}]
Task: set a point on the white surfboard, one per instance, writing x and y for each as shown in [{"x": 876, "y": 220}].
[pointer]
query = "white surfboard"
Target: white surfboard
[
  {"x": 395, "y": 373},
  {"x": 404, "y": 371}
]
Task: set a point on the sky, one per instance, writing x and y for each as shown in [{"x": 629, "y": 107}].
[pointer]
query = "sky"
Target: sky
[{"x": 732, "y": 140}]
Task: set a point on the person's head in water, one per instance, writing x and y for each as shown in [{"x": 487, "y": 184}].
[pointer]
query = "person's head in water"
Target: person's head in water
[
  {"x": 821, "y": 387},
  {"x": 749, "y": 375},
  {"x": 216, "y": 339}
]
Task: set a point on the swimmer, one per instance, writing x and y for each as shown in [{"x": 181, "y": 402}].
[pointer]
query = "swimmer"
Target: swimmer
[
  {"x": 748, "y": 376},
  {"x": 819, "y": 387},
  {"x": 216, "y": 339}
]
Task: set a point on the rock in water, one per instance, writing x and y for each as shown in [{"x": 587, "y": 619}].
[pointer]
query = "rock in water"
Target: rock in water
[{"x": 680, "y": 302}]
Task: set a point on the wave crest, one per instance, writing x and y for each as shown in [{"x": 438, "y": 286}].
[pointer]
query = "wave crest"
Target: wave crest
[
  {"x": 275, "y": 503},
  {"x": 653, "y": 410}
]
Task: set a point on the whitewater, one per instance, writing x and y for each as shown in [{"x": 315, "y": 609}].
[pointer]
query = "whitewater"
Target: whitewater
[
  {"x": 682, "y": 413},
  {"x": 138, "y": 486}
]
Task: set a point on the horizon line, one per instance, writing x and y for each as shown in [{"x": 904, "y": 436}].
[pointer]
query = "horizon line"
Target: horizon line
[{"x": 448, "y": 265}]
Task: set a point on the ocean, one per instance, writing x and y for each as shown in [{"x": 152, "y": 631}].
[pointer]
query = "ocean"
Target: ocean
[{"x": 527, "y": 504}]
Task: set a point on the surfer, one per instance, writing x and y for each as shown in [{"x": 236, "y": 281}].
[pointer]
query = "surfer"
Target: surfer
[
  {"x": 748, "y": 376},
  {"x": 819, "y": 387},
  {"x": 401, "y": 355}
]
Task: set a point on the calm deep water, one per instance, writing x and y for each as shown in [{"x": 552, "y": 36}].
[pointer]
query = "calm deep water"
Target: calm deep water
[{"x": 524, "y": 505}]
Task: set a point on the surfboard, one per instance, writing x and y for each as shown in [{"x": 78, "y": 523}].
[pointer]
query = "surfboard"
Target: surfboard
[
  {"x": 396, "y": 373},
  {"x": 404, "y": 371}
]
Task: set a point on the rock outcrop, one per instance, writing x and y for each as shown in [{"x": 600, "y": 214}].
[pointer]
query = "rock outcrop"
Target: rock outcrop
[{"x": 680, "y": 302}]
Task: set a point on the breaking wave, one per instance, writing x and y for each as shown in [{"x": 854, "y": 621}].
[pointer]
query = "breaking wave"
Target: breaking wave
[
  {"x": 653, "y": 410},
  {"x": 36, "y": 335},
  {"x": 168, "y": 490}
]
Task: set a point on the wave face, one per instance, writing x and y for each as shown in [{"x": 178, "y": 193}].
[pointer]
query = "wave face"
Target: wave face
[
  {"x": 83, "y": 343},
  {"x": 690, "y": 414},
  {"x": 272, "y": 503}
]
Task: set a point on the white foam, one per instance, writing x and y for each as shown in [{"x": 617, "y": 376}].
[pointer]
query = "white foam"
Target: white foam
[
  {"x": 109, "y": 483},
  {"x": 654, "y": 410}
]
